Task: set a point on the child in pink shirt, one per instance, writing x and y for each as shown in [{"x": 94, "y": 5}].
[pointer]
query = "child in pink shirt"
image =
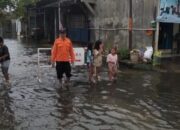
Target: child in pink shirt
[{"x": 112, "y": 60}]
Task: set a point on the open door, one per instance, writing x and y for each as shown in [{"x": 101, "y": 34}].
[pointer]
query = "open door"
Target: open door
[{"x": 166, "y": 36}]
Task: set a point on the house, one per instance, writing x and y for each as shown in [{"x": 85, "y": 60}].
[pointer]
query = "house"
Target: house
[
  {"x": 48, "y": 17},
  {"x": 126, "y": 23},
  {"x": 89, "y": 20},
  {"x": 168, "y": 24}
]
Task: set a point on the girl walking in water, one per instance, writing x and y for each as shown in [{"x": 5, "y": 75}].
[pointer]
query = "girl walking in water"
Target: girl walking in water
[
  {"x": 112, "y": 60},
  {"x": 97, "y": 60},
  {"x": 89, "y": 60}
]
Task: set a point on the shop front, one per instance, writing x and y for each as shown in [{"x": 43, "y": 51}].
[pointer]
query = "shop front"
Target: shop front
[{"x": 169, "y": 26}]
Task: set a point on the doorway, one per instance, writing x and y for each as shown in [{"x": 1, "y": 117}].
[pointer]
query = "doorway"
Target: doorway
[{"x": 165, "y": 36}]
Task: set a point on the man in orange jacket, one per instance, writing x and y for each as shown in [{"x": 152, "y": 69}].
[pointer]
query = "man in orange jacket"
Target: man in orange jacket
[{"x": 63, "y": 55}]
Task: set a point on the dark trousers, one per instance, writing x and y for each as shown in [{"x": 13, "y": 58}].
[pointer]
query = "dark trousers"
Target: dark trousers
[{"x": 63, "y": 68}]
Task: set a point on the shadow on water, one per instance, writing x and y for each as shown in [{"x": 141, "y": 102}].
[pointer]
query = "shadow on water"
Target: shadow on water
[{"x": 137, "y": 101}]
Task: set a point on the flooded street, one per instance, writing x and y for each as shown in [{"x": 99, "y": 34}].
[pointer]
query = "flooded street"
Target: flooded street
[{"x": 140, "y": 100}]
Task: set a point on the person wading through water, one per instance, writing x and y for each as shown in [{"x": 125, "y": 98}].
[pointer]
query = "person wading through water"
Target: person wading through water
[
  {"x": 4, "y": 60},
  {"x": 63, "y": 55},
  {"x": 97, "y": 60}
]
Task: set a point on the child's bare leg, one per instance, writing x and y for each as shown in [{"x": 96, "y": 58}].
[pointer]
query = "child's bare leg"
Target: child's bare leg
[
  {"x": 115, "y": 73},
  {"x": 94, "y": 74},
  {"x": 98, "y": 74},
  {"x": 110, "y": 72},
  {"x": 111, "y": 76},
  {"x": 6, "y": 76},
  {"x": 90, "y": 72}
]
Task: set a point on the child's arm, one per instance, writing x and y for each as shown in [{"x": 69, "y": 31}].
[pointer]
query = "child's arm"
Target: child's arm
[{"x": 97, "y": 53}]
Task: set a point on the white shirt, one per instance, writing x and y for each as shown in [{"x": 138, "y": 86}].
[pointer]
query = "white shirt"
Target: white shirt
[{"x": 112, "y": 58}]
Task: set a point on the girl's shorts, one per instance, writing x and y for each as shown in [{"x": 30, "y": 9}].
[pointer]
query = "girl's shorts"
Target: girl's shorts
[
  {"x": 112, "y": 67},
  {"x": 5, "y": 66}
]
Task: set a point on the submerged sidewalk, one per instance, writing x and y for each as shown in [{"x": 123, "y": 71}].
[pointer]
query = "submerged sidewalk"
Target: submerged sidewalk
[{"x": 169, "y": 64}]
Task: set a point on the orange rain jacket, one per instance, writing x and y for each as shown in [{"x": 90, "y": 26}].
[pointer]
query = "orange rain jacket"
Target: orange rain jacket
[{"x": 62, "y": 51}]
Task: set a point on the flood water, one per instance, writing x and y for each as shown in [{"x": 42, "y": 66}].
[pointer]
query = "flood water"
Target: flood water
[{"x": 140, "y": 100}]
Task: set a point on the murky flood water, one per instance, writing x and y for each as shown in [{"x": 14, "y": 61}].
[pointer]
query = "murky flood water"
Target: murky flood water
[{"x": 138, "y": 101}]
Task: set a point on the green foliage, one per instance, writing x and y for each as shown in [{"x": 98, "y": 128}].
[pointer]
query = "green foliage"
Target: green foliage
[
  {"x": 13, "y": 9},
  {"x": 123, "y": 54},
  {"x": 5, "y": 3},
  {"x": 17, "y": 9},
  {"x": 20, "y": 10}
]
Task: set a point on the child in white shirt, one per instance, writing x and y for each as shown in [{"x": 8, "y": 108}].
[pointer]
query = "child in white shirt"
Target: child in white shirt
[{"x": 112, "y": 60}]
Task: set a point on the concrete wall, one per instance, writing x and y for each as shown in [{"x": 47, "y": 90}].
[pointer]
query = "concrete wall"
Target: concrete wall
[{"x": 114, "y": 14}]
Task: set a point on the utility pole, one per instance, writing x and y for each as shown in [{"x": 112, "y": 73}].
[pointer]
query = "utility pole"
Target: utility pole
[
  {"x": 130, "y": 24},
  {"x": 178, "y": 7},
  {"x": 157, "y": 28},
  {"x": 59, "y": 15}
]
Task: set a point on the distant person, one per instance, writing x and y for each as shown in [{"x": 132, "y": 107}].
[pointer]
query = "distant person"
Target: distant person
[
  {"x": 89, "y": 60},
  {"x": 63, "y": 55},
  {"x": 97, "y": 60},
  {"x": 112, "y": 60},
  {"x": 4, "y": 59}
]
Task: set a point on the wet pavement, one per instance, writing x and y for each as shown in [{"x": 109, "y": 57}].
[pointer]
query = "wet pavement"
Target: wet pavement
[{"x": 139, "y": 100}]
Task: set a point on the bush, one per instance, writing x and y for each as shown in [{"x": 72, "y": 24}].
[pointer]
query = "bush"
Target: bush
[{"x": 123, "y": 54}]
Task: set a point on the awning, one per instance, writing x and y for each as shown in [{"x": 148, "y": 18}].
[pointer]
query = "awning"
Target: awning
[{"x": 169, "y": 11}]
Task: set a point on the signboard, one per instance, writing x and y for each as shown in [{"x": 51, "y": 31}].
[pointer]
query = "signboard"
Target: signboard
[
  {"x": 169, "y": 11},
  {"x": 79, "y": 56}
]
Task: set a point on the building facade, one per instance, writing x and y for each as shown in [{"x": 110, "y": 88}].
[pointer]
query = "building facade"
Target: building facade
[
  {"x": 126, "y": 23},
  {"x": 114, "y": 17}
]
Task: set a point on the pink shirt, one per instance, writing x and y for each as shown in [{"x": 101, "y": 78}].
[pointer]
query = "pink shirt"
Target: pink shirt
[{"x": 112, "y": 58}]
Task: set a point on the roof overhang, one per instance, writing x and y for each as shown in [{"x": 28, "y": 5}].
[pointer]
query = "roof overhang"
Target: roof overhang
[
  {"x": 63, "y": 3},
  {"x": 58, "y": 3}
]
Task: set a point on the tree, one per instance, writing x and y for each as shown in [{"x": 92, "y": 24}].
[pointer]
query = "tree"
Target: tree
[
  {"x": 20, "y": 9},
  {"x": 6, "y": 3},
  {"x": 4, "y": 12}
]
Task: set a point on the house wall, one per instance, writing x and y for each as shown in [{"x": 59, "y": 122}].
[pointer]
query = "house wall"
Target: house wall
[{"x": 115, "y": 13}]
